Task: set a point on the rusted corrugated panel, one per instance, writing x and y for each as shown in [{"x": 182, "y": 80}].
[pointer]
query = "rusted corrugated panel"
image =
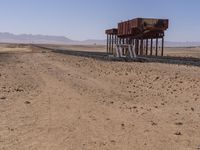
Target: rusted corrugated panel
[
  {"x": 113, "y": 31},
  {"x": 150, "y": 24}
]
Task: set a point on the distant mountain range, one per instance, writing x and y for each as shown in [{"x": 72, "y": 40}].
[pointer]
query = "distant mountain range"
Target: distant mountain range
[
  {"x": 29, "y": 38},
  {"x": 45, "y": 39}
]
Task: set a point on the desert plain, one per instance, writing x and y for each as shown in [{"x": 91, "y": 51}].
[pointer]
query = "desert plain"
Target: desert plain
[{"x": 52, "y": 100}]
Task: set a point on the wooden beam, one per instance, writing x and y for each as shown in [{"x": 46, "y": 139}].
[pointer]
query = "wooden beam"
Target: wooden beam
[
  {"x": 141, "y": 46},
  {"x": 156, "y": 46},
  {"x": 112, "y": 44},
  {"x": 147, "y": 45},
  {"x": 136, "y": 46},
  {"x": 151, "y": 53},
  {"x": 123, "y": 51},
  {"x": 107, "y": 43},
  {"x": 115, "y": 40},
  {"x": 162, "y": 52}
]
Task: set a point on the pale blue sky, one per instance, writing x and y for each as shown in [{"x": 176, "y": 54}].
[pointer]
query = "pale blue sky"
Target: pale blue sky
[{"x": 87, "y": 19}]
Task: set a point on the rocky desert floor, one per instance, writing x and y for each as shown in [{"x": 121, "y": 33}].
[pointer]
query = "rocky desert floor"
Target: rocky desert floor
[{"x": 55, "y": 101}]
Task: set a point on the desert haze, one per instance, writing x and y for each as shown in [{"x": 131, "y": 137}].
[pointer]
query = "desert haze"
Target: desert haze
[{"x": 51, "y": 99}]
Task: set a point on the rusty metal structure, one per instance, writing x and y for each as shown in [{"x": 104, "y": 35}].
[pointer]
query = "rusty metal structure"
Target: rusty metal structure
[{"x": 145, "y": 35}]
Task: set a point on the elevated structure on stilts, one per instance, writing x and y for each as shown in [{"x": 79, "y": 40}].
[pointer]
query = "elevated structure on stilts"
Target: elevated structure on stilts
[{"x": 137, "y": 37}]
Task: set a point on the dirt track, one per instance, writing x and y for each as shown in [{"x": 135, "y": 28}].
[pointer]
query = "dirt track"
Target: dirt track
[{"x": 52, "y": 101}]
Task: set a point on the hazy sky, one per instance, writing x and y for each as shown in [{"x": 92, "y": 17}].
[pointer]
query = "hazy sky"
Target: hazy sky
[{"x": 87, "y": 19}]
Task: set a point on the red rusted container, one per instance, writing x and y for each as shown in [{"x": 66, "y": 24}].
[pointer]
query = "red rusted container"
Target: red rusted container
[{"x": 142, "y": 26}]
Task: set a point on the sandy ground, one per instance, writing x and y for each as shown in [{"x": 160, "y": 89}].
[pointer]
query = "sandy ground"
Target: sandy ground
[
  {"x": 52, "y": 101},
  {"x": 14, "y": 48},
  {"x": 183, "y": 52}
]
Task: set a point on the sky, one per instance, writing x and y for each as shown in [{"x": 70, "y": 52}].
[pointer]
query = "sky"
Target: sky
[{"x": 88, "y": 19}]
